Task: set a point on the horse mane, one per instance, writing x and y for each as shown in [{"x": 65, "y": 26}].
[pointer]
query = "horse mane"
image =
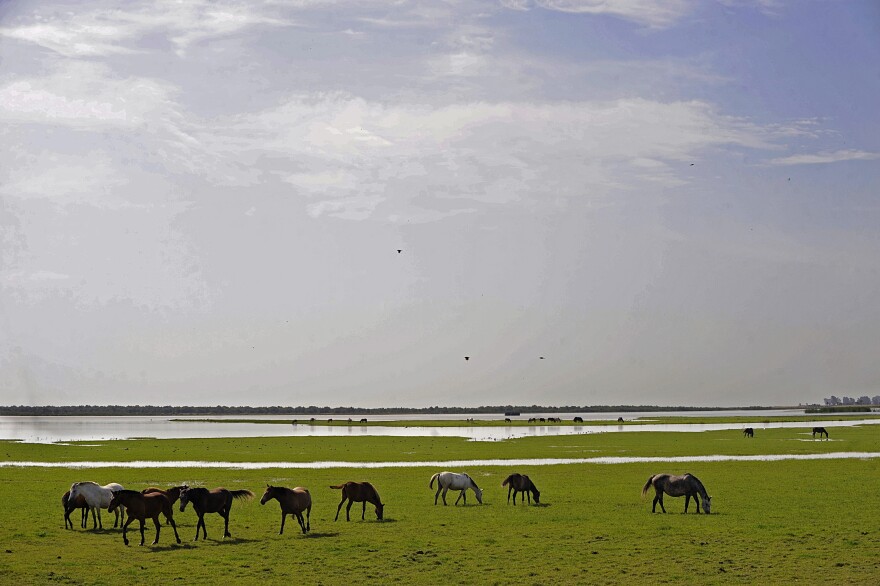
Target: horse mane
[
  {"x": 473, "y": 481},
  {"x": 699, "y": 484}
]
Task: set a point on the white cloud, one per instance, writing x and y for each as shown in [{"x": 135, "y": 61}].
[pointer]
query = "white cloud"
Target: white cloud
[
  {"x": 654, "y": 13},
  {"x": 825, "y": 157}
]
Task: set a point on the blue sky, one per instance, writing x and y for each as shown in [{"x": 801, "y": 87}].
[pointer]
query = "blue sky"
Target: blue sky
[{"x": 672, "y": 202}]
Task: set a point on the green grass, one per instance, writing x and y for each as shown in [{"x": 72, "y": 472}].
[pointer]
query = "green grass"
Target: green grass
[{"x": 811, "y": 522}]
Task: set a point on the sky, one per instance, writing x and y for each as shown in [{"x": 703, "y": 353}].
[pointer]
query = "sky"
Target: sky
[{"x": 319, "y": 202}]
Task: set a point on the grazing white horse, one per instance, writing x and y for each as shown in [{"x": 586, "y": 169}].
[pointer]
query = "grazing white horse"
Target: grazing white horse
[
  {"x": 454, "y": 481},
  {"x": 97, "y": 497}
]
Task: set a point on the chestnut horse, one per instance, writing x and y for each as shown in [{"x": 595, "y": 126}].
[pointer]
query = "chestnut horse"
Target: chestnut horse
[
  {"x": 521, "y": 483},
  {"x": 141, "y": 506},
  {"x": 360, "y": 492},
  {"x": 71, "y": 505},
  {"x": 293, "y": 501},
  {"x": 686, "y": 485},
  {"x": 204, "y": 501}
]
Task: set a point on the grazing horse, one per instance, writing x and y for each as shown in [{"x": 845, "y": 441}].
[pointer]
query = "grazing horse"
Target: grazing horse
[
  {"x": 97, "y": 497},
  {"x": 71, "y": 505},
  {"x": 140, "y": 506},
  {"x": 293, "y": 501},
  {"x": 820, "y": 431},
  {"x": 451, "y": 480},
  {"x": 360, "y": 492},
  {"x": 686, "y": 485},
  {"x": 748, "y": 432},
  {"x": 204, "y": 501},
  {"x": 521, "y": 483},
  {"x": 578, "y": 419}
]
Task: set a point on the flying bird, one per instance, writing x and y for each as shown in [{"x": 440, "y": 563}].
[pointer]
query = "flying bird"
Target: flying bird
[
  {"x": 399, "y": 251},
  {"x": 540, "y": 357},
  {"x": 467, "y": 357}
]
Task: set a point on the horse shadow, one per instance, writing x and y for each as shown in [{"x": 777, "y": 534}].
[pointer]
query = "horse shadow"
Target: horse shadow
[
  {"x": 541, "y": 505},
  {"x": 321, "y": 534}
]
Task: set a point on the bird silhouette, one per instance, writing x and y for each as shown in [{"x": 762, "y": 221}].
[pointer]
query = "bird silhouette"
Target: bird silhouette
[
  {"x": 399, "y": 251},
  {"x": 467, "y": 357}
]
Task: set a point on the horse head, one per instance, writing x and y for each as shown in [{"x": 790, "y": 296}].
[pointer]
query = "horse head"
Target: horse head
[
  {"x": 380, "y": 509},
  {"x": 707, "y": 504},
  {"x": 184, "y": 497},
  {"x": 267, "y": 496},
  {"x": 479, "y": 493},
  {"x": 114, "y": 501},
  {"x": 536, "y": 494}
]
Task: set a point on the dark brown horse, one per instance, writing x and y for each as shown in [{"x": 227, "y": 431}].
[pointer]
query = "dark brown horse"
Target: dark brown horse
[
  {"x": 70, "y": 506},
  {"x": 204, "y": 501},
  {"x": 686, "y": 485},
  {"x": 749, "y": 432},
  {"x": 361, "y": 492},
  {"x": 142, "y": 506},
  {"x": 293, "y": 501},
  {"x": 521, "y": 483},
  {"x": 820, "y": 431}
]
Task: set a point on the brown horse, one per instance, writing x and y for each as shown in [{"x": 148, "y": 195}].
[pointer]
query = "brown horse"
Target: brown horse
[
  {"x": 820, "y": 431},
  {"x": 686, "y": 485},
  {"x": 70, "y": 506},
  {"x": 521, "y": 483},
  {"x": 172, "y": 493},
  {"x": 204, "y": 501},
  {"x": 141, "y": 506},
  {"x": 293, "y": 501},
  {"x": 361, "y": 492}
]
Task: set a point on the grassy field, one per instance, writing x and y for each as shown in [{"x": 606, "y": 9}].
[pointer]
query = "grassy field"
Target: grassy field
[{"x": 811, "y": 522}]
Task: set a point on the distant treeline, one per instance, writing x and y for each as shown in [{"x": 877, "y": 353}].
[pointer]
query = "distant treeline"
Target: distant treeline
[
  {"x": 314, "y": 410},
  {"x": 845, "y": 409}
]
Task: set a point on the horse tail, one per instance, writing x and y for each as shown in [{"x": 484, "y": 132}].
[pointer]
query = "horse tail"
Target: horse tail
[
  {"x": 433, "y": 478},
  {"x": 241, "y": 494},
  {"x": 647, "y": 486},
  {"x": 507, "y": 480}
]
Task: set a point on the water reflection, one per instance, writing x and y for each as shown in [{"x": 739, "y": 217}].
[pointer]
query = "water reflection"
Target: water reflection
[
  {"x": 65, "y": 429},
  {"x": 444, "y": 463}
]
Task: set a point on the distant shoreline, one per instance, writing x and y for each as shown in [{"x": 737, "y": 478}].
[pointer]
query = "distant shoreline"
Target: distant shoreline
[{"x": 128, "y": 410}]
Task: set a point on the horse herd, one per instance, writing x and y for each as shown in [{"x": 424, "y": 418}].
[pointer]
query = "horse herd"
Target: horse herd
[{"x": 152, "y": 502}]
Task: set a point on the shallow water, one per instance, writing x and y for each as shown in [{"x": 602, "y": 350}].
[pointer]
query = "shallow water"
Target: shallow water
[
  {"x": 445, "y": 463},
  {"x": 66, "y": 429}
]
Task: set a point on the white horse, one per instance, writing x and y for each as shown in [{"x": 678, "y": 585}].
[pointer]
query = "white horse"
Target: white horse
[
  {"x": 451, "y": 480},
  {"x": 97, "y": 497}
]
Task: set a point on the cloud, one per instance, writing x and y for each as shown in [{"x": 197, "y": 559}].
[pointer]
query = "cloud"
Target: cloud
[
  {"x": 824, "y": 157},
  {"x": 349, "y": 157},
  {"x": 652, "y": 13},
  {"x": 105, "y": 32}
]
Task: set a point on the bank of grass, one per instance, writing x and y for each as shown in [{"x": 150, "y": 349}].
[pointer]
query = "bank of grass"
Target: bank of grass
[
  {"x": 863, "y": 438},
  {"x": 812, "y": 522},
  {"x": 523, "y": 421}
]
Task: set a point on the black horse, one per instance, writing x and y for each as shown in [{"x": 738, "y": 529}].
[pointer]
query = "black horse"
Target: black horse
[
  {"x": 748, "y": 432},
  {"x": 820, "y": 431},
  {"x": 204, "y": 501}
]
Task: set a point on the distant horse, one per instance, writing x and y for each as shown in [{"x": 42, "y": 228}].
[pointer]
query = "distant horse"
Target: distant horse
[
  {"x": 293, "y": 501},
  {"x": 204, "y": 501},
  {"x": 141, "y": 506},
  {"x": 748, "y": 432},
  {"x": 521, "y": 483},
  {"x": 820, "y": 431},
  {"x": 359, "y": 492},
  {"x": 578, "y": 419},
  {"x": 72, "y": 505},
  {"x": 686, "y": 485},
  {"x": 97, "y": 497},
  {"x": 451, "y": 480}
]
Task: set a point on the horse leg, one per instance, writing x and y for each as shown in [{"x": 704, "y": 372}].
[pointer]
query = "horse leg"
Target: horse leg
[
  {"x": 302, "y": 522},
  {"x": 687, "y": 499},
  {"x": 170, "y": 520},
  {"x": 156, "y": 523},
  {"x": 436, "y": 494},
  {"x": 348, "y": 510},
  {"x": 125, "y": 529},
  {"x": 94, "y": 518},
  {"x": 141, "y": 521},
  {"x": 309, "y": 518},
  {"x": 528, "y": 494},
  {"x": 697, "y": 504},
  {"x": 200, "y": 524},
  {"x": 283, "y": 515},
  {"x": 226, "y": 532},
  {"x": 100, "y": 523},
  {"x": 460, "y": 495},
  {"x": 509, "y": 488},
  {"x": 363, "y": 508},
  {"x": 339, "y": 507},
  {"x": 445, "y": 490}
]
